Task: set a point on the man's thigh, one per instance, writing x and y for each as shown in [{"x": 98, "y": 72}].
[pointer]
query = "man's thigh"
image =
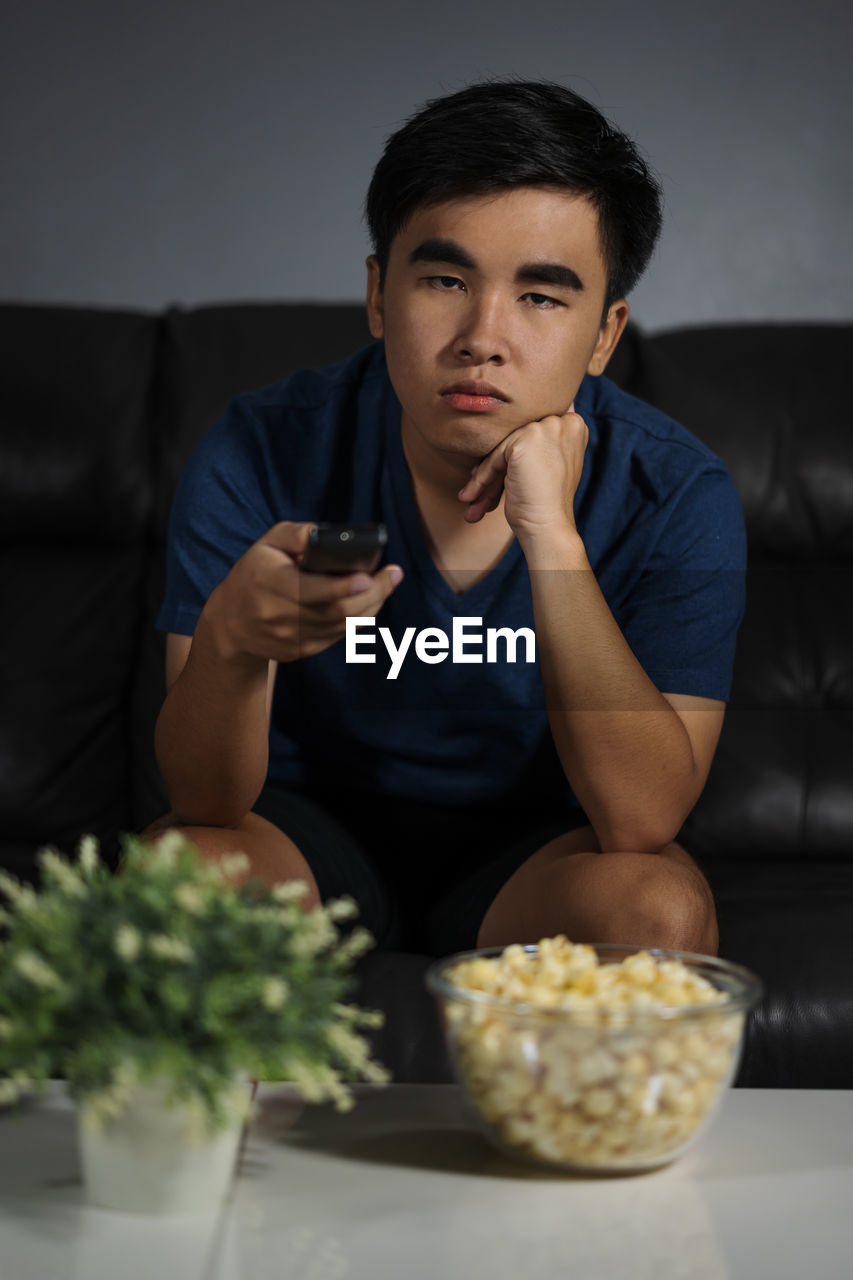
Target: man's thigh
[
  {"x": 420, "y": 852},
  {"x": 339, "y": 861},
  {"x": 507, "y": 842}
]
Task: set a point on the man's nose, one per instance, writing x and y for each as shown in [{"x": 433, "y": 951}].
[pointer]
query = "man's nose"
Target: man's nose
[{"x": 482, "y": 336}]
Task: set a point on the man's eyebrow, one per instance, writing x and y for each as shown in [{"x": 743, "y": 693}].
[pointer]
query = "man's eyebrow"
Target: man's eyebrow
[
  {"x": 437, "y": 250},
  {"x": 448, "y": 251},
  {"x": 553, "y": 273}
]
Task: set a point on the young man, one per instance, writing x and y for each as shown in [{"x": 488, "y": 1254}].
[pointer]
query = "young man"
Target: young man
[{"x": 584, "y": 553}]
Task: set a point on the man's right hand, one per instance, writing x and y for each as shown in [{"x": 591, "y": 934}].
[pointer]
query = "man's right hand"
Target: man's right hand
[{"x": 266, "y": 608}]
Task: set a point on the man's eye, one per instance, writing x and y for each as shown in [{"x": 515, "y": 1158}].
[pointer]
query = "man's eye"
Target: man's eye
[
  {"x": 445, "y": 282},
  {"x": 542, "y": 301}
]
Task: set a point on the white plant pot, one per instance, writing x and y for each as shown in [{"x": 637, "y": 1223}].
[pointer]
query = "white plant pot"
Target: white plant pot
[{"x": 151, "y": 1158}]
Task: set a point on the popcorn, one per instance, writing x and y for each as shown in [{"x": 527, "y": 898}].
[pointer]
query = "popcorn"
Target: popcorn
[{"x": 623, "y": 1079}]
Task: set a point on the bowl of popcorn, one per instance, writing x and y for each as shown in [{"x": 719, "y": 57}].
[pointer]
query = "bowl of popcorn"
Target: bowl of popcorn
[{"x": 598, "y": 1059}]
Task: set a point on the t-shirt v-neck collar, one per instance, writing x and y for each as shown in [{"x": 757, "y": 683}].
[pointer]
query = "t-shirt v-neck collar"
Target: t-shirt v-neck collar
[{"x": 398, "y": 495}]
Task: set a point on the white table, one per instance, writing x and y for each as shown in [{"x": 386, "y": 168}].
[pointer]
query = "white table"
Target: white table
[{"x": 404, "y": 1188}]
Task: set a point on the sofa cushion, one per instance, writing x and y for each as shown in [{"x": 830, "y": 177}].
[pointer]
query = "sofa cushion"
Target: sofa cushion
[
  {"x": 780, "y": 783},
  {"x": 67, "y": 655},
  {"x": 790, "y": 923}
]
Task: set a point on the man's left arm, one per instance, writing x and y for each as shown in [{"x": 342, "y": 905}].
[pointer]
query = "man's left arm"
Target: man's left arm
[{"x": 635, "y": 757}]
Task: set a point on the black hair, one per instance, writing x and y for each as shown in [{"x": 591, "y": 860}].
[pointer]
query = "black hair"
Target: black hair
[{"x": 499, "y": 134}]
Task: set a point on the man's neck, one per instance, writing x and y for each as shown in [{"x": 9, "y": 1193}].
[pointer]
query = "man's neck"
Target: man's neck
[
  {"x": 433, "y": 472},
  {"x": 436, "y": 480}
]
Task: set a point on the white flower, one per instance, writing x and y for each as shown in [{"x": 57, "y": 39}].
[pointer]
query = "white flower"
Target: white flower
[
  {"x": 232, "y": 865},
  {"x": 199, "y": 1126},
  {"x": 127, "y": 942},
  {"x": 289, "y": 891},
  {"x": 66, "y": 878},
  {"x": 126, "y": 1074},
  {"x": 168, "y": 847},
  {"x": 342, "y": 908},
  {"x": 282, "y": 916},
  {"x": 365, "y": 1017},
  {"x": 314, "y": 932},
  {"x": 166, "y": 948},
  {"x": 274, "y": 993},
  {"x": 22, "y": 895},
  {"x": 191, "y": 898},
  {"x": 9, "y": 1092},
  {"x": 355, "y": 1051},
  {"x": 351, "y": 1047},
  {"x": 377, "y": 1073},
  {"x": 359, "y": 941},
  {"x": 238, "y": 1102},
  {"x": 35, "y": 969},
  {"x": 87, "y": 854},
  {"x": 334, "y": 1088},
  {"x": 306, "y": 1075},
  {"x": 97, "y": 1109}
]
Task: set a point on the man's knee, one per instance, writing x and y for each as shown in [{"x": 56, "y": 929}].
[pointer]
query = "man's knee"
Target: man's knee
[
  {"x": 638, "y": 899},
  {"x": 655, "y": 899},
  {"x": 273, "y": 856}
]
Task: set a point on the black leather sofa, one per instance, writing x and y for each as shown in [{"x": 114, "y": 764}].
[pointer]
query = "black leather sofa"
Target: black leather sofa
[{"x": 98, "y": 411}]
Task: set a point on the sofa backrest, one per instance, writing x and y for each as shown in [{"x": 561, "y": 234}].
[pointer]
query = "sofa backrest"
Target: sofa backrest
[
  {"x": 100, "y": 409},
  {"x": 771, "y": 401},
  {"x": 77, "y": 493},
  {"x": 208, "y": 356}
]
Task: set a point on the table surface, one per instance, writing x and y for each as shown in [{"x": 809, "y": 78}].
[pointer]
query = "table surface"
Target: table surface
[{"x": 404, "y": 1187}]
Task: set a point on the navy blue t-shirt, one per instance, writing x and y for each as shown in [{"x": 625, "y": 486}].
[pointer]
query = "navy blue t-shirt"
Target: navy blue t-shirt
[{"x": 659, "y": 518}]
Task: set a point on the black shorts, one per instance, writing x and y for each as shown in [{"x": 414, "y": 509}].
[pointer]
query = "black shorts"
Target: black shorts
[{"x": 423, "y": 875}]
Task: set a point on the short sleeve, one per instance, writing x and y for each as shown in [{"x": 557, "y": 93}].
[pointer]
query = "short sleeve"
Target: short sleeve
[
  {"x": 221, "y": 507},
  {"x": 681, "y": 619}
]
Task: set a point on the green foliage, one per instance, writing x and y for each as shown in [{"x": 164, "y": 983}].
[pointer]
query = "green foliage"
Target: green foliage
[{"x": 174, "y": 970}]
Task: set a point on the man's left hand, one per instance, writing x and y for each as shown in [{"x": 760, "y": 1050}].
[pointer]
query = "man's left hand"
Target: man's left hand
[{"x": 538, "y": 468}]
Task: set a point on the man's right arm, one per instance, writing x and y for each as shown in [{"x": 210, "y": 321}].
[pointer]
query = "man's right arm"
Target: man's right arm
[{"x": 212, "y": 734}]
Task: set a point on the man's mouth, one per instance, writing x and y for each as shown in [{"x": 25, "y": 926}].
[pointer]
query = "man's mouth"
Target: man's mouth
[{"x": 474, "y": 397}]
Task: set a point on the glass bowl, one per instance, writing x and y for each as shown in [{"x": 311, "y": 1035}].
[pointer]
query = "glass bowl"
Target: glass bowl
[{"x": 596, "y": 1090}]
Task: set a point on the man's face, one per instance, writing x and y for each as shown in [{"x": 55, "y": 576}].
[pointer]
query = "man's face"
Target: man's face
[{"x": 503, "y": 289}]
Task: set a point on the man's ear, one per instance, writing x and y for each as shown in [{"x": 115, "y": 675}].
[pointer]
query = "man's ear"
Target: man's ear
[
  {"x": 375, "y": 310},
  {"x": 609, "y": 335}
]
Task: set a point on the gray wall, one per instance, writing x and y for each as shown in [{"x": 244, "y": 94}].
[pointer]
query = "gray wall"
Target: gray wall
[{"x": 188, "y": 152}]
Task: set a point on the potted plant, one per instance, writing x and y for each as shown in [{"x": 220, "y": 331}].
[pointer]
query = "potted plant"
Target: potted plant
[{"x": 158, "y": 994}]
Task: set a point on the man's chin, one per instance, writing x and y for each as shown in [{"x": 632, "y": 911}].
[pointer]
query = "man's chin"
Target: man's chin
[
  {"x": 466, "y": 435},
  {"x": 475, "y": 435}
]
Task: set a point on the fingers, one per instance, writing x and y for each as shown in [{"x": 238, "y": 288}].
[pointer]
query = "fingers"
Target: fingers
[
  {"x": 301, "y": 628},
  {"x": 267, "y": 607},
  {"x": 319, "y": 588},
  {"x": 483, "y": 491},
  {"x": 289, "y": 536},
  {"x": 313, "y": 608},
  {"x": 282, "y": 548},
  {"x": 368, "y": 594},
  {"x": 478, "y": 507},
  {"x": 350, "y": 591}
]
